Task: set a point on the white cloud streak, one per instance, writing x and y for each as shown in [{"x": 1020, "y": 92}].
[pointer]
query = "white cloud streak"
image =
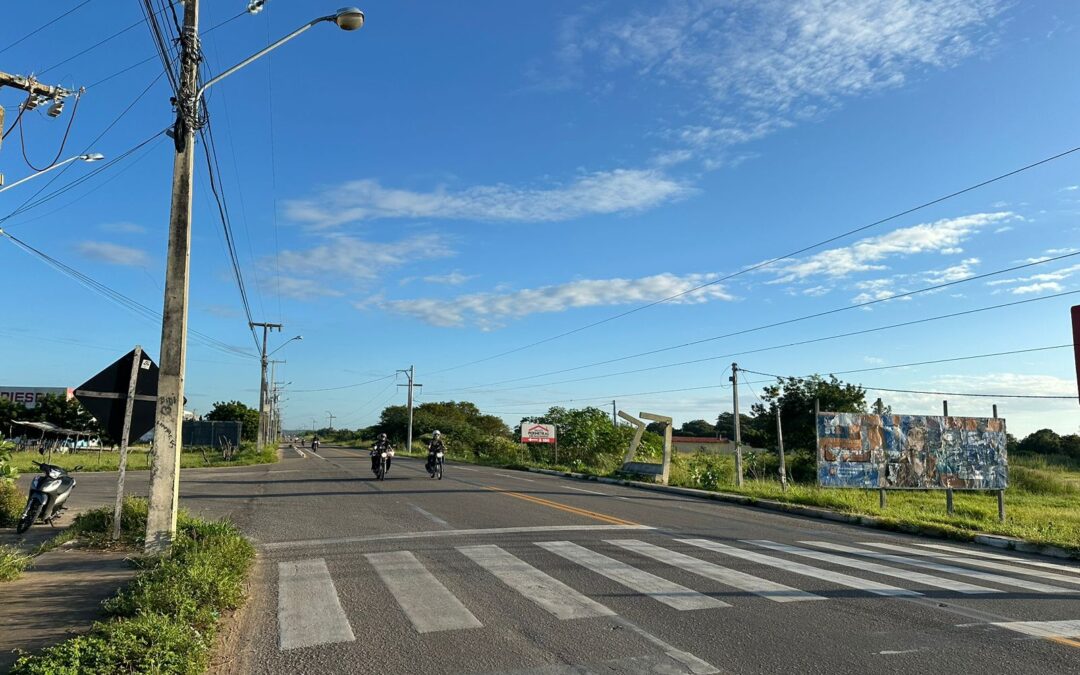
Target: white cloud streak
[
  {"x": 113, "y": 254},
  {"x": 491, "y": 310},
  {"x": 603, "y": 192}
]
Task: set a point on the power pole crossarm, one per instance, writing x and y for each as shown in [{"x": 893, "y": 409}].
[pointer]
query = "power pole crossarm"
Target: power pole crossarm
[{"x": 33, "y": 87}]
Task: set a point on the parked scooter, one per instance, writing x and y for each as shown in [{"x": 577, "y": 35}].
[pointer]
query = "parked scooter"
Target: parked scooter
[{"x": 48, "y": 492}]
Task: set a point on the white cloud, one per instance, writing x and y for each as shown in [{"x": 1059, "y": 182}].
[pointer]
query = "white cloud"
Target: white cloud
[
  {"x": 451, "y": 279},
  {"x": 602, "y": 192},
  {"x": 762, "y": 65},
  {"x": 963, "y": 270},
  {"x": 1036, "y": 283},
  {"x": 490, "y": 310},
  {"x": 343, "y": 260},
  {"x": 1070, "y": 188},
  {"x": 871, "y": 253},
  {"x": 114, "y": 254},
  {"x": 1052, "y": 286}
]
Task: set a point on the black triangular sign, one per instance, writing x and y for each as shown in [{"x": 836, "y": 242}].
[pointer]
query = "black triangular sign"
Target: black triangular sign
[{"x": 115, "y": 380}]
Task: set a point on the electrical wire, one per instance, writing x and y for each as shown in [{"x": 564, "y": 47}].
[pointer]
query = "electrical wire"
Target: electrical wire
[
  {"x": 786, "y": 345},
  {"x": 18, "y": 118},
  {"x": 345, "y": 386},
  {"x": 45, "y": 25},
  {"x": 160, "y": 44},
  {"x": 785, "y": 322},
  {"x": 772, "y": 261},
  {"x": 63, "y": 141},
  {"x": 95, "y": 45}
]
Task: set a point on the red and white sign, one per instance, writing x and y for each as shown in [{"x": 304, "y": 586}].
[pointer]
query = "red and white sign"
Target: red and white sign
[{"x": 537, "y": 433}]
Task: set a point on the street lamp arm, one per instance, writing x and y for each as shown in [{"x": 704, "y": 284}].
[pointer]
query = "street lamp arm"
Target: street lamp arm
[
  {"x": 86, "y": 158},
  {"x": 341, "y": 17}
]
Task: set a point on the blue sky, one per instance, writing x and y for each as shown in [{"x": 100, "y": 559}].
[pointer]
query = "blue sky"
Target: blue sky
[{"x": 446, "y": 185}]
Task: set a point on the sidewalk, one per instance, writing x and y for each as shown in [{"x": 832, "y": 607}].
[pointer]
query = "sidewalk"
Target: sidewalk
[{"x": 57, "y": 597}]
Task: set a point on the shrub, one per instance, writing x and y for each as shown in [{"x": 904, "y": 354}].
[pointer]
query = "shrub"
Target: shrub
[
  {"x": 12, "y": 562},
  {"x": 11, "y": 503}
]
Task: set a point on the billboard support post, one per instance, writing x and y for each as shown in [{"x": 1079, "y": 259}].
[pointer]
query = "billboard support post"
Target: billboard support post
[
  {"x": 129, "y": 406},
  {"x": 882, "y": 501},
  {"x": 1000, "y": 493},
  {"x": 780, "y": 448}
]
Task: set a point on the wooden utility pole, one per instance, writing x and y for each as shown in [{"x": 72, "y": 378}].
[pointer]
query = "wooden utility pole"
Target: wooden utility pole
[
  {"x": 129, "y": 406},
  {"x": 738, "y": 435},
  {"x": 331, "y": 417},
  {"x": 264, "y": 426},
  {"x": 169, "y": 414}
]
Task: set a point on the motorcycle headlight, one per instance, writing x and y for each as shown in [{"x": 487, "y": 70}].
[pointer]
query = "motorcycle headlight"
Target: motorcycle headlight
[
  {"x": 438, "y": 454},
  {"x": 384, "y": 454},
  {"x": 53, "y": 473}
]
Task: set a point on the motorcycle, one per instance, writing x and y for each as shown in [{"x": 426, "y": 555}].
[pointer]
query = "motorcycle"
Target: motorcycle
[
  {"x": 436, "y": 466},
  {"x": 48, "y": 492},
  {"x": 381, "y": 467}
]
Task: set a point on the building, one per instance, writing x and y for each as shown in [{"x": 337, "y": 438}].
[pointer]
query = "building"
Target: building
[{"x": 29, "y": 396}]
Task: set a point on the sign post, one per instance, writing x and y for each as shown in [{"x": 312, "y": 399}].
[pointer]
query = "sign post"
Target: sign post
[
  {"x": 540, "y": 433},
  {"x": 1076, "y": 342},
  {"x": 130, "y": 382}
]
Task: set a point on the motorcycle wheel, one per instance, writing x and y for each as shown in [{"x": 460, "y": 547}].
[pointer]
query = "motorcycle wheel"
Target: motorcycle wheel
[
  {"x": 438, "y": 469},
  {"x": 30, "y": 515},
  {"x": 382, "y": 471}
]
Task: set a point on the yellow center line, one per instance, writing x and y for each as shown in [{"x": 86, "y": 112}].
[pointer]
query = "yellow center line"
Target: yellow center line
[
  {"x": 1070, "y": 642},
  {"x": 564, "y": 507}
]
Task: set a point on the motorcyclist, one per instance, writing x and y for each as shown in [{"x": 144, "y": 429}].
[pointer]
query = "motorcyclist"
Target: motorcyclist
[
  {"x": 436, "y": 445},
  {"x": 314, "y": 443},
  {"x": 382, "y": 444}
]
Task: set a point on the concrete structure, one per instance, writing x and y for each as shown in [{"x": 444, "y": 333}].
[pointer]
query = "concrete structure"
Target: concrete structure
[{"x": 29, "y": 396}]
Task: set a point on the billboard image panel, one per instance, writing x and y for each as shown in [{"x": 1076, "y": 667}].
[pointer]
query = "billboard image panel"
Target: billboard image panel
[
  {"x": 537, "y": 433},
  {"x": 911, "y": 451}
]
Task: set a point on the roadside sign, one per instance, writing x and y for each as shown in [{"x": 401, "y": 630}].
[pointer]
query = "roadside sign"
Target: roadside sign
[
  {"x": 105, "y": 394},
  {"x": 537, "y": 433}
]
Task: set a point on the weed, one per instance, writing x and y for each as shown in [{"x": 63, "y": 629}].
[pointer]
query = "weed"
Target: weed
[{"x": 12, "y": 562}]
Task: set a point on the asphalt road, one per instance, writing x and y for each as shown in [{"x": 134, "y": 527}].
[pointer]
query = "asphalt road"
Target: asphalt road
[{"x": 493, "y": 571}]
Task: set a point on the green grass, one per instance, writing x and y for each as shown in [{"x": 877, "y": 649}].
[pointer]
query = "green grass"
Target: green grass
[
  {"x": 139, "y": 459},
  {"x": 1042, "y": 503},
  {"x": 165, "y": 620},
  {"x": 12, "y": 562}
]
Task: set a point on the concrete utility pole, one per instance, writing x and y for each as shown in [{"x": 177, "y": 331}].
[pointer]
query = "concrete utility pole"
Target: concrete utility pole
[
  {"x": 614, "y": 415},
  {"x": 780, "y": 449},
  {"x": 411, "y": 374},
  {"x": 331, "y": 416},
  {"x": 169, "y": 414},
  {"x": 260, "y": 441},
  {"x": 271, "y": 396},
  {"x": 165, "y": 471},
  {"x": 738, "y": 435}
]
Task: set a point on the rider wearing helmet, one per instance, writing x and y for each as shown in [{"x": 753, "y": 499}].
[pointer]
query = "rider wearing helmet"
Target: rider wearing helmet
[
  {"x": 381, "y": 445},
  {"x": 436, "y": 445},
  {"x": 314, "y": 443}
]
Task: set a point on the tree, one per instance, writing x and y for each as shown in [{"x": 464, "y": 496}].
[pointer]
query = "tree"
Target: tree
[
  {"x": 63, "y": 412},
  {"x": 794, "y": 397},
  {"x": 1041, "y": 442},
  {"x": 750, "y": 428},
  {"x": 697, "y": 428},
  {"x": 235, "y": 411},
  {"x": 9, "y": 412}
]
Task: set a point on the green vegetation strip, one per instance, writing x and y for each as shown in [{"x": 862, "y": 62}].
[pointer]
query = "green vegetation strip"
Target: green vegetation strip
[
  {"x": 139, "y": 459},
  {"x": 165, "y": 620},
  {"x": 12, "y": 562}
]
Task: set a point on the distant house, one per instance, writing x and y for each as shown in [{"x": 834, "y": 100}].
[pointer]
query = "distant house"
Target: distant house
[{"x": 708, "y": 444}]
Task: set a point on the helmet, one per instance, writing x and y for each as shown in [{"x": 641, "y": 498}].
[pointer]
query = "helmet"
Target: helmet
[
  {"x": 436, "y": 433},
  {"x": 382, "y": 437}
]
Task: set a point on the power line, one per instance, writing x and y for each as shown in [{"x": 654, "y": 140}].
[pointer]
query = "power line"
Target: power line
[
  {"x": 346, "y": 386},
  {"x": 772, "y": 261},
  {"x": 798, "y": 343},
  {"x": 95, "y": 45},
  {"x": 63, "y": 141},
  {"x": 45, "y": 25},
  {"x": 968, "y": 394},
  {"x": 815, "y": 315}
]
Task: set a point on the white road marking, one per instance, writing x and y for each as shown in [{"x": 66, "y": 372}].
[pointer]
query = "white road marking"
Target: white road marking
[
  {"x": 745, "y": 582},
  {"x": 896, "y": 652},
  {"x": 658, "y": 588},
  {"x": 506, "y": 475},
  {"x": 465, "y": 468},
  {"x": 300, "y": 452},
  {"x": 1044, "y": 629},
  {"x": 998, "y": 556},
  {"x": 592, "y": 492},
  {"x": 693, "y": 663},
  {"x": 307, "y": 543},
  {"x": 975, "y": 562},
  {"x": 430, "y": 516},
  {"x": 940, "y": 567},
  {"x": 884, "y": 570},
  {"x": 430, "y": 606},
  {"x": 544, "y": 590},
  {"x": 309, "y": 611},
  {"x": 805, "y": 570}
]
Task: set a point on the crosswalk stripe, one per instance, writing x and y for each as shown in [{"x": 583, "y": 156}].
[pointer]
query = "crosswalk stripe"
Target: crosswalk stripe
[
  {"x": 544, "y": 590},
  {"x": 941, "y": 567},
  {"x": 806, "y": 570},
  {"x": 999, "y": 556},
  {"x": 430, "y": 606},
  {"x": 745, "y": 582},
  {"x": 975, "y": 562},
  {"x": 1044, "y": 629},
  {"x": 884, "y": 570},
  {"x": 309, "y": 611},
  {"x": 658, "y": 588}
]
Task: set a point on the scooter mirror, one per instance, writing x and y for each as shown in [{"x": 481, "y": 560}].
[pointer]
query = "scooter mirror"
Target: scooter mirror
[{"x": 78, "y": 467}]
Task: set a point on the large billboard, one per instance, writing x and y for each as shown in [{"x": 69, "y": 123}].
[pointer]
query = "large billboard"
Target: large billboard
[
  {"x": 911, "y": 452},
  {"x": 29, "y": 396},
  {"x": 537, "y": 433}
]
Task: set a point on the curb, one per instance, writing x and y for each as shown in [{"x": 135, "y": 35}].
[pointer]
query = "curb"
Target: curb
[{"x": 984, "y": 539}]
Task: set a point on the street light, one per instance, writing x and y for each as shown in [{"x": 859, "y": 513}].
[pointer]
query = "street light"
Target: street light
[
  {"x": 165, "y": 471},
  {"x": 92, "y": 157},
  {"x": 282, "y": 345}
]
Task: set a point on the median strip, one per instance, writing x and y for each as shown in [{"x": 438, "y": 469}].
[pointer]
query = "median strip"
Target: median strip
[{"x": 564, "y": 507}]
